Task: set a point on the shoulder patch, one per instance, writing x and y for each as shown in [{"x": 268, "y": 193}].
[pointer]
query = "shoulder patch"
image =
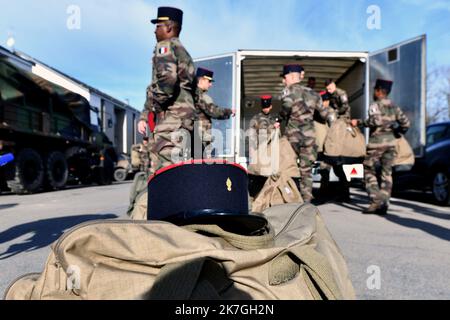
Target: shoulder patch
[
  {"x": 163, "y": 48},
  {"x": 374, "y": 109}
]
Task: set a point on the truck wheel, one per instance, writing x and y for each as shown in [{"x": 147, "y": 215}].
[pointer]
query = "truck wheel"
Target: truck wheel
[
  {"x": 56, "y": 170},
  {"x": 120, "y": 174},
  {"x": 441, "y": 188},
  {"x": 29, "y": 172}
]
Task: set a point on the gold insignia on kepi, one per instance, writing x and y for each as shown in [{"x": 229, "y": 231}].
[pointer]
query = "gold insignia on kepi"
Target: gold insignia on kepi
[{"x": 229, "y": 184}]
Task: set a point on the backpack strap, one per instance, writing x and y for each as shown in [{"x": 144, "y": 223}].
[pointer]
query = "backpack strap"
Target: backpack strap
[
  {"x": 206, "y": 281},
  {"x": 311, "y": 265}
]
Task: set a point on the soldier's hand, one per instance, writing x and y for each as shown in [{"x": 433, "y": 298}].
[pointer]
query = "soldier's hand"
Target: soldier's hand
[
  {"x": 354, "y": 122},
  {"x": 276, "y": 125},
  {"x": 142, "y": 127}
]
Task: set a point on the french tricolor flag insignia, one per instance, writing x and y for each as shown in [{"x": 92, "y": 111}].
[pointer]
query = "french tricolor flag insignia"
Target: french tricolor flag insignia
[{"x": 163, "y": 50}]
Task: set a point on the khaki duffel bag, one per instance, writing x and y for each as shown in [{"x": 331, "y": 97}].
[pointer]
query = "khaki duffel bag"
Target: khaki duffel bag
[
  {"x": 296, "y": 259},
  {"x": 277, "y": 190},
  {"x": 274, "y": 157},
  {"x": 321, "y": 134},
  {"x": 405, "y": 155},
  {"x": 343, "y": 140}
]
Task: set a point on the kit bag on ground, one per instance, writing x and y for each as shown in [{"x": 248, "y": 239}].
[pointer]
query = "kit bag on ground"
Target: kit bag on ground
[
  {"x": 405, "y": 156},
  {"x": 278, "y": 189},
  {"x": 343, "y": 140},
  {"x": 111, "y": 259}
]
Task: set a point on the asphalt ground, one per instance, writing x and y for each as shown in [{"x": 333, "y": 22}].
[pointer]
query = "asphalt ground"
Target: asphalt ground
[{"x": 403, "y": 255}]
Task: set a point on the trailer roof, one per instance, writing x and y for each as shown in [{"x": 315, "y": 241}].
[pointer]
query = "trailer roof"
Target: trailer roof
[{"x": 261, "y": 74}]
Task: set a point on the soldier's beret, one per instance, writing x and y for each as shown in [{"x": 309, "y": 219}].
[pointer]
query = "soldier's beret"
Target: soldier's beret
[
  {"x": 169, "y": 13},
  {"x": 266, "y": 101},
  {"x": 203, "y": 192},
  {"x": 384, "y": 84},
  {"x": 205, "y": 73},
  {"x": 288, "y": 68}
]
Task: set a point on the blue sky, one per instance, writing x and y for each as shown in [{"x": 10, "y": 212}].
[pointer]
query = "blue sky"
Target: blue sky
[{"x": 112, "y": 49}]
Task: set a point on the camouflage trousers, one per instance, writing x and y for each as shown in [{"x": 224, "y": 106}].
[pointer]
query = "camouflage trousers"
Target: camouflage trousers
[
  {"x": 306, "y": 150},
  {"x": 172, "y": 142},
  {"x": 203, "y": 141},
  {"x": 384, "y": 156}
]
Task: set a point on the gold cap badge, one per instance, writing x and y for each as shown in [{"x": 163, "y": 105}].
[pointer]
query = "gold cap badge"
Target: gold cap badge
[{"x": 229, "y": 184}]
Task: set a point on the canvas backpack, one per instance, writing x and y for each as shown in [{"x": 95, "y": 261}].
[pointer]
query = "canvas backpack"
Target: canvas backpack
[{"x": 124, "y": 259}]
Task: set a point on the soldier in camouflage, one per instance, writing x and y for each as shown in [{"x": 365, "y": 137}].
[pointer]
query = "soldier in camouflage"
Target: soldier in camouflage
[
  {"x": 338, "y": 100},
  {"x": 262, "y": 124},
  {"x": 207, "y": 110},
  {"x": 386, "y": 120},
  {"x": 298, "y": 106},
  {"x": 171, "y": 94}
]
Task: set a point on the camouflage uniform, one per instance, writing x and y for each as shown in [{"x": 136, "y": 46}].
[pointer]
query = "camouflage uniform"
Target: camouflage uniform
[
  {"x": 260, "y": 124},
  {"x": 205, "y": 111},
  {"x": 170, "y": 96},
  {"x": 298, "y": 106},
  {"x": 339, "y": 102},
  {"x": 381, "y": 148}
]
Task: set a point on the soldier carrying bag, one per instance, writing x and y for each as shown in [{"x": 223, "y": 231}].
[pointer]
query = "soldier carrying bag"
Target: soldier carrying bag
[{"x": 227, "y": 256}]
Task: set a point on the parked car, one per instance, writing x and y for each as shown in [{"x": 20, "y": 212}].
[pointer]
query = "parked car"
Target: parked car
[{"x": 432, "y": 171}]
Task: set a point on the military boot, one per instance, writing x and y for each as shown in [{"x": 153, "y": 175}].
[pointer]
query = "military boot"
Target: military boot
[
  {"x": 373, "y": 208},
  {"x": 382, "y": 210}
]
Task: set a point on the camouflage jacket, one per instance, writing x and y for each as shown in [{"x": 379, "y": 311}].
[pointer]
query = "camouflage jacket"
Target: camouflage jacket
[
  {"x": 339, "y": 102},
  {"x": 263, "y": 124},
  {"x": 383, "y": 116},
  {"x": 207, "y": 110},
  {"x": 299, "y": 104},
  {"x": 172, "y": 81}
]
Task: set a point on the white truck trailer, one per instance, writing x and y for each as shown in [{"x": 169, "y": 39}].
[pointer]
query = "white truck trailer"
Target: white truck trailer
[{"x": 242, "y": 76}]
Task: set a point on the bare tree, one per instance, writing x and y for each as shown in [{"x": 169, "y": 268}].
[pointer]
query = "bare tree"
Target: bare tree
[{"x": 438, "y": 94}]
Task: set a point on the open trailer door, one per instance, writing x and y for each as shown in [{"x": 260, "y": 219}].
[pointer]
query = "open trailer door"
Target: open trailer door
[
  {"x": 223, "y": 93},
  {"x": 405, "y": 64}
]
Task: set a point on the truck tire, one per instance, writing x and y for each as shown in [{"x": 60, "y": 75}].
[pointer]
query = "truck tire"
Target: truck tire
[
  {"x": 441, "y": 188},
  {"x": 56, "y": 170},
  {"x": 29, "y": 172},
  {"x": 120, "y": 174}
]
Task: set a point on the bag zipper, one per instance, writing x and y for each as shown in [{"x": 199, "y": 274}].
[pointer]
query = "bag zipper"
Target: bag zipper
[
  {"x": 17, "y": 279},
  {"x": 297, "y": 212}
]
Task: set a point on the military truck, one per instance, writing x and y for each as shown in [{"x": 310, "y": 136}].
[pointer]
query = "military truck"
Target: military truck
[
  {"x": 48, "y": 130},
  {"x": 242, "y": 76}
]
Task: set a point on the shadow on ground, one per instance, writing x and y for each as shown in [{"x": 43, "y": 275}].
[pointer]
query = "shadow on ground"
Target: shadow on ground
[
  {"x": 42, "y": 232},
  {"x": 7, "y": 205}
]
